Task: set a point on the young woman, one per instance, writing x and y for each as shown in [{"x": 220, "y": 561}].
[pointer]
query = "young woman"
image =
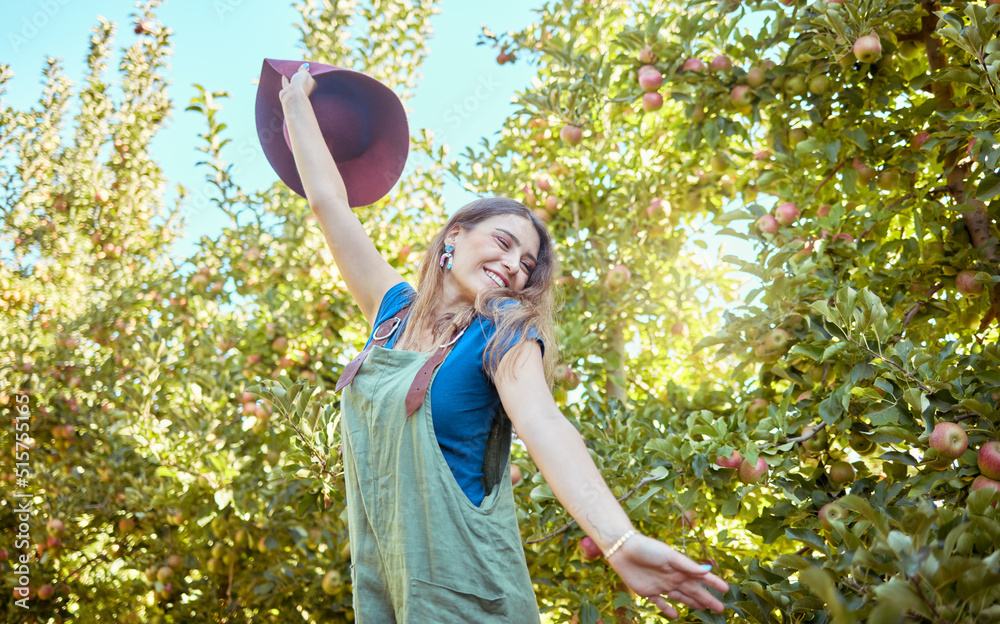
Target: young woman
[{"x": 432, "y": 521}]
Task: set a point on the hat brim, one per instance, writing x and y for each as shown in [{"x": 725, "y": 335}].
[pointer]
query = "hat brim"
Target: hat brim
[{"x": 362, "y": 121}]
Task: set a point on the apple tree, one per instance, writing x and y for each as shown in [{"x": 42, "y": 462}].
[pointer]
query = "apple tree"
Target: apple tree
[
  {"x": 777, "y": 422},
  {"x": 161, "y": 489}
]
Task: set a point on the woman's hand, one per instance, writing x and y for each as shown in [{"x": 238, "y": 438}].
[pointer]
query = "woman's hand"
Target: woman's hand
[
  {"x": 302, "y": 83},
  {"x": 659, "y": 573}
]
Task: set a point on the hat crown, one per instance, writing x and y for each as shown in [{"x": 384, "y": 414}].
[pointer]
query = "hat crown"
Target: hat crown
[
  {"x": 341, "y": 100},
  {"x": 362, "y": 122}
]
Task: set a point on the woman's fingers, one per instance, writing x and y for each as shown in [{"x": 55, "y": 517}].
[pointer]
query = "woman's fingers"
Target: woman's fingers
[
  {"x": 664, "y": 606},
  {"x": 702, "y": 599},
  {"x": 696, "y": 571},
  {"x": 716, "y": 583}
]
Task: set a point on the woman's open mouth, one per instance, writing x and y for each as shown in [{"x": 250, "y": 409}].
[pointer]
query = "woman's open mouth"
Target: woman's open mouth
[{"x": 499, "y": 281}]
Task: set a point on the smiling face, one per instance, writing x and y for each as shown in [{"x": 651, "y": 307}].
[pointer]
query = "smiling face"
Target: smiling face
[{"x": 499, "y": 252}]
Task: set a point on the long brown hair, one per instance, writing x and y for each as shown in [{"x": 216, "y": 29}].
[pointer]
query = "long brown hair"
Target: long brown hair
[{"x": 535, "y": 304}]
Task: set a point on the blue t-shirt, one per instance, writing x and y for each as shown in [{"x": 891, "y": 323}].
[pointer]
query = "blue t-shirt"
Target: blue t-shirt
[{"x": 463, "y": 399}]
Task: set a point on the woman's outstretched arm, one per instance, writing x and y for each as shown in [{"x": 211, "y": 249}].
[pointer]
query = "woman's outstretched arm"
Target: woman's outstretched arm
[
  {"x": 649, "y": 567},
  {"x": 367, "y": 275}
]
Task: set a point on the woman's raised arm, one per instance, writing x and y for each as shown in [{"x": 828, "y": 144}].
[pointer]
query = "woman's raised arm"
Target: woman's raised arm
[
  {"x": 367, "y": 275},
  {"x": 652, "y": 569}
]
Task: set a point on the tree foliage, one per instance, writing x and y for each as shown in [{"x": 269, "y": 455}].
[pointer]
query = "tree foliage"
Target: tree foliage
[{"x": 186, "y": 409}]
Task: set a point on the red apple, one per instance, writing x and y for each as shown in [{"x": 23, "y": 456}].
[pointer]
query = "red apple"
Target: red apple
[
  {"x": 949, "y": 439},
  {"x": 757, "y": 409},
  {"x": 680, "y": 328},
  {"x": 981, "y": 482},
  {"x": 733, "y": 461},
  {"x": 741, "y": 96},
  {"x": 921, "y": 138},
  {"x": 865, "y": 172},
  {"x": 694, "y": 64},
  {"x": 966, "y": 283},
  {"x": 646, "y": 55},
  {"x": 796, "y": 85},
  {"x": 618, "y": 276},
  {"x": 571, "y": 134},
  {"x": 755, "y": 77},
  {"x": 824, "y": 210},
  {"x": 650, "y": 79},
  {"x": 126, "y": 525},
  {"x": 989, "y": 460},
  {"x": 753, "y": 473},
  {"x": 543, "y": 182},
  {"x": 652, "y": 102},
  {"x": 164, "y": 574},
  {"x": 767, "y": 224},
  {"x": 551, "y": 203},
  {"x": 831, "y": 513},
  {"x": 816, "y": 442},
  {"x": 842, "y": 473},
  {"x": 55, "y": 527},
  {"x": 888, "y": 180},
  {"x": 721, "y": 63},
  {"x": 786, "y": 213},
  {"x": 805, "y": 252},
  {"x": 590, "y": 549},
  {"x": 565, "y": 374},
  {"x": 280, "y": 344},
  {"x": 515, "y": 475},
  {"x": 776, "y": 341},
  {"x": 818, "y": 84},
  {"x": 46, "y": 591},
  {"x": 867, "y": 48},
  {"x": 657, "y": 205},
  {"x": 796, "y": 136}
]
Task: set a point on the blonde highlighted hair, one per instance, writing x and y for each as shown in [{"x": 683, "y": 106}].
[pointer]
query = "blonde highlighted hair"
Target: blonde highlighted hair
[{"x": 534, "y": 305}]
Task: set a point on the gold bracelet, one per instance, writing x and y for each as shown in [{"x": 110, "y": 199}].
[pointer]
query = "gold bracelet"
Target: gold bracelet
[{"x": 619, "y": 543}]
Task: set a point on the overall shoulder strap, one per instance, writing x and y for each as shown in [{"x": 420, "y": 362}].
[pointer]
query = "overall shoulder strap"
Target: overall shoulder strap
[
  {"x": 418, "y": 389},
  {"x": 382, "y": 333}
]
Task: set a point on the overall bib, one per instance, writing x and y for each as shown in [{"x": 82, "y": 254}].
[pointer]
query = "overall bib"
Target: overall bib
[{"x": 421, "y": 552}]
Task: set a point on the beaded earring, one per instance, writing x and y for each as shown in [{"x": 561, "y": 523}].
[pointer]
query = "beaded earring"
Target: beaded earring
[{"x": 446, "y": 256}]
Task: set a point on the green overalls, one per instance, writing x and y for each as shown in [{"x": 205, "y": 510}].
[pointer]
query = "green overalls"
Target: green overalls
[{"x": 421, "y": 552}]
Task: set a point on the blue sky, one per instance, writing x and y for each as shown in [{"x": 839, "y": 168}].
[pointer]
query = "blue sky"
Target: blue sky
[{"x": 220, "y": 44}]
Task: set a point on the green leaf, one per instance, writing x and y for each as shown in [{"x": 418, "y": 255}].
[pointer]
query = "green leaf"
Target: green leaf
[
  {"x": 916, "y": 399},
  {"x": 808, "y": 537},
  {"x": 866, "y": 511},
  {"x": 989, "y": 187},
  {"x": 833, "y": 350},
  {"x": 264, "y": 588},
  {"x": 846, "y": 298},
  {"x": 857, "y": 136},
  {"x": 823, "y": 308},
  {"x": 899, "y": 597},
  {"x": 821, "y": 583},
  {"x": 542, "y": 492},
  {"x": 793, "y": 562},
  {"x": 223, "y": 497}
]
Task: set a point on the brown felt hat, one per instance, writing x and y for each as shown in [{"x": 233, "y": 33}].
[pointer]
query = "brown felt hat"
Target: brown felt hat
[{"x": 362, "y": 121}]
